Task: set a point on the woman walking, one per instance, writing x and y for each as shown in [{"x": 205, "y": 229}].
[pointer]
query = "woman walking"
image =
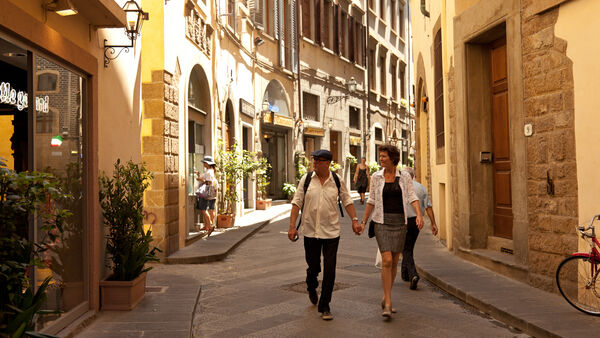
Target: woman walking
[
  {"x": 206, "y": 204},
  {"x": 361, "y": 179},
  {"x": 390, "y": 195}
]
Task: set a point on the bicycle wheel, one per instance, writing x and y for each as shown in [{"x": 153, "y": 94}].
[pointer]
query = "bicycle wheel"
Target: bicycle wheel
[{"x": 578, "y": 283}]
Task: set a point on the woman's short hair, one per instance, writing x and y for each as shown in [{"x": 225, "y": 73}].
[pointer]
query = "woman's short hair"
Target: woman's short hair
[{"x": 392, "y": 151}]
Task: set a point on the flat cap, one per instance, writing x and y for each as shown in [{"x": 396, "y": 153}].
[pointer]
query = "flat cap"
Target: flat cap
[{"x": 322, "y": 153}]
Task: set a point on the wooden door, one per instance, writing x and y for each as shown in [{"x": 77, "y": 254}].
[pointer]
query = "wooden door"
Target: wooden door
[
  {"x": 503, "y": 216},
  {"x": 333, "y": 145}
]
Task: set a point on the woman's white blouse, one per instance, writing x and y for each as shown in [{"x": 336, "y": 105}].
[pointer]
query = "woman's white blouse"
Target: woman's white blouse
[{"x": 376, "y": 193}]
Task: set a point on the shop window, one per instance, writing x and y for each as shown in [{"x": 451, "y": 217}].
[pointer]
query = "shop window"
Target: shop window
[
  {"x": 310, "y": 106},
  {"x": 354, "y": 117}
]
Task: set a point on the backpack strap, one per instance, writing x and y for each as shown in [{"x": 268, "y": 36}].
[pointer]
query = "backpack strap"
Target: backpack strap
[{"x": 337, "y": 184}]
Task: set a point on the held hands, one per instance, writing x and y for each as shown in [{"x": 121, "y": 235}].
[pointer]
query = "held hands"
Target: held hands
[{"x": 357, "y": 228}]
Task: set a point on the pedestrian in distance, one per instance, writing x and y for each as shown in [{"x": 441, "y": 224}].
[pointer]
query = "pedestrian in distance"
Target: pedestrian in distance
[
  {"x": 408, "y": 271},
  {"x": 391, "y": 194},
  {"x": 361, "y": 179},
  {"x": 320, "y": 226},
  {"x": 205, "y": 202}
]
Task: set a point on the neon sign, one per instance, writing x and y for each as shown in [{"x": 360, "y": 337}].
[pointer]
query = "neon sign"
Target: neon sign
[{"x": 19, "y": 99}]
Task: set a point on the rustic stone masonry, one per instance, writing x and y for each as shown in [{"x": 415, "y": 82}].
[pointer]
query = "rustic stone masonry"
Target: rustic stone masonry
[
  {"x": 549, "y": 107},
  {"x": 452, "y": 190},
  {"x": 160, "y": 152}
]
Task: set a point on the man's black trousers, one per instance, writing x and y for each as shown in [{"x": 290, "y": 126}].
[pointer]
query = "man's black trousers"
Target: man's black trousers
[
  {"x": 408, "y": 262},
  {"x": 312, "y": 250}
]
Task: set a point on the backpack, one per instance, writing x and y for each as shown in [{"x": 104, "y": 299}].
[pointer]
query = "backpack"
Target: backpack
[{"x": 307, "y": 183}]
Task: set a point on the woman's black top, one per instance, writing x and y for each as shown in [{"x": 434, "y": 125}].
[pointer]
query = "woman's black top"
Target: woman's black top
[{"x": 392, "y": 198}]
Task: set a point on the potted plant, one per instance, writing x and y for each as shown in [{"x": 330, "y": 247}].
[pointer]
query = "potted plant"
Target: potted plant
[
  {"x": 334, "y": 166},
  {"x": 22, "y": 195},
  {"x": 289, "y": 190},
  {"x": 128, "y": 244},
  {"x": 262, "y": 174}
]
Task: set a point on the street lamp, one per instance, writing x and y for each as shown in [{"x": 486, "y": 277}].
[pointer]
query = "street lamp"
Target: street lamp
[
  {"x": 330, "y": 124},
  {"x": 351, "y": 88},
  {"x": 264, "y": 109},
  {"x": 134, "y": 17}
]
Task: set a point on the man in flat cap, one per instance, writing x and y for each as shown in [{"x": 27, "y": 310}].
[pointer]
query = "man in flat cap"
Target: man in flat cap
[{"x": 321, "y": 226}]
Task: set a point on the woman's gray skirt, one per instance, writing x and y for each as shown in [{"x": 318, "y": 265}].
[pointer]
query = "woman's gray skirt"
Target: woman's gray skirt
[{"x": 391, "y": 235}]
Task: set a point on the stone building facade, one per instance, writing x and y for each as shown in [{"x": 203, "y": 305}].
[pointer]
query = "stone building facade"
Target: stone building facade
[{"x": 512, "y": 89}]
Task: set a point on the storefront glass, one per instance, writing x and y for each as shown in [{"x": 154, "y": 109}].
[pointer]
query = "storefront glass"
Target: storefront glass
[{"x": 43, "y": 131}]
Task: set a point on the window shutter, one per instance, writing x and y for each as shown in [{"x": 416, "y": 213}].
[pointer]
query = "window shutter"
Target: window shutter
[
  {"x": 281, "y": 34},
  {"x": 340, "y": 30},
  {"x": 276, "y": 19},
  {"x": 256, "y": 13},
  {"x": 336, "y": 30},
  {"x": 294, "y": 34}
]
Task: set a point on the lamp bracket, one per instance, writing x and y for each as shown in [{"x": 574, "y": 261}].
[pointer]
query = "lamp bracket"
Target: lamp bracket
[
  {"x": 334, "y": 99},
  {"x": 110, "y": 51}
]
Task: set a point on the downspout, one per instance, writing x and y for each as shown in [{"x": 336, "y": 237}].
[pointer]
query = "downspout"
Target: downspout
[
  {"x": 423, "y": 10},
  {"x": 298, "y": 27},
  {"x": 368, "y": 89}
]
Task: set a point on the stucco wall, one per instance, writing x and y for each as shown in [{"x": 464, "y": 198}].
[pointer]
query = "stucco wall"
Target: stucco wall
[{"x": 578, "y": 25}]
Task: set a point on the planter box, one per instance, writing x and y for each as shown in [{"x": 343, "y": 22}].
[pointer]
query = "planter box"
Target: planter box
[
  {"x": 122, "y": 295},
  {"x": 263, "y": 204},
  {"x": 224, "y": 221}
]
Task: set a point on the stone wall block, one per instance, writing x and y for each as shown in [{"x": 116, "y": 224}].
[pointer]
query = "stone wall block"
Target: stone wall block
[
  {"x": 537, "y": 151},
  {"x": 568, "y": 206},
  {"x": 167, "y": 145},
  {"x": 167, "y": 77},
  {"x": 166, "y": 92},
  {"x": 541, "y": 223},
  {"x": 167, "y": 128},
  {"x": 171, "y": 111},
  {"x": 537, "y": 23},
  {"x": 174, "y": 129},
  {"x": 569, "y": 100},
  {"x": 157, "y": 75},
  {"x": 536, "y": 188},
  {"x": 544, "y": 124},
  {"x": 152, "y": 144},
  {"x": 155, "y": 198},
  {"x": 172, "y": 196},
  {"x": 154, "y": 163},
  {"x": 565, "y": 187},
  {"x": 550, "y": 206},
  {"x": 154, "y": 108},
  {"x": 154, "y": 216},
  {"x": 557, "y": 147},
  {"x": 153, "y": 90},
  {"x": 544, "y": 263},
  {"x": 175, "y": 146},
  {"x": 560, "y": 45},
  {"x": 536, "y": 172},
  {"x": 564, "y": 224},
  {"x": 158, "y": 182},
  {"x": 540, "y": 40}
]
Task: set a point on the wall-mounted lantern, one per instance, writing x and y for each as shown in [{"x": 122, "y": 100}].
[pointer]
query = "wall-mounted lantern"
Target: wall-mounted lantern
[
  {"x": 351, "y": 88},
  {"x": 60, "y": 7},
  {"x": 134, "y": 17},
  {"x": 264, "y": 109}
]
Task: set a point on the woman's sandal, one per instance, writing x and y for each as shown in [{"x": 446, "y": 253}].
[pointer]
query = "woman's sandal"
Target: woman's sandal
[
  {"x": 387, "y": 311},
  {"x": 209, "y": 231},
  {"x": 383, "y": 306}
]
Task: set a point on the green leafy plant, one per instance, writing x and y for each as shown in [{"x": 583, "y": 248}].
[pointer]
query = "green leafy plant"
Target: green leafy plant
[
  {"x": 351, "y": 159},
  {"x": 22, "y": 195},
  {"x": 334, "y": 166},
  {"x": 289, "y": 189},
  {"x": 121, "y": 198},
  {"x": 262, "y": 175},
  {"x": 233, "y": 165},
  {"x": 301, "y": 165},
  {"x": 373, "y": 167}
]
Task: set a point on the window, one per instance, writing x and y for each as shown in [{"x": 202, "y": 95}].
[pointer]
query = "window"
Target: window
[
  {"x": 317, "y": 20},
  {"x": 326, "y": 24},
  {"x": 394, "y": 82},
  {"x": 306, "y": 31},
  {"x": 439, "y": 96},
  {"x": 382, "y": 4},
  {"x": 371, "y": 69},
  {"x": 392, "y": 16},
  {"x": 382, "y": 79},
  {"x": 354, "y": 117},
  {"x": 336, "y": 29},
  {"x": 231, "y": 14},
  {"x": 401, "y": 22},
  {"x": 378, "y": 134},
  {"x": 344, "y": 34},
  {"x": 310, "y": 106},
  {"x": 402, "y": 79},
  {"x": 372, "y": 4}
]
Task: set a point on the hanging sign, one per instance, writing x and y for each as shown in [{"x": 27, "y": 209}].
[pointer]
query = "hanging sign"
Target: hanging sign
[
  {"x": 56, "y": 141},
  {"x": 19, "y": 99}
]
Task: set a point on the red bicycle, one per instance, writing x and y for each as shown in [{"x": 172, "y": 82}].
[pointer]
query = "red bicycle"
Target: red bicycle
[{"x": 577, "y": 276}]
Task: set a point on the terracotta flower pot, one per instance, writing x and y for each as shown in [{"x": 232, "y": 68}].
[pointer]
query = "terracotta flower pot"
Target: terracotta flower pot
[
  {"x": 122, "y": 295},
  {"x": 263, "y": 204},
  {"x": 224, "y": 221}
]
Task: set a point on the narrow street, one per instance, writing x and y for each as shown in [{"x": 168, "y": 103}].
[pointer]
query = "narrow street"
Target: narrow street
[{"x": 259, "y": 290}]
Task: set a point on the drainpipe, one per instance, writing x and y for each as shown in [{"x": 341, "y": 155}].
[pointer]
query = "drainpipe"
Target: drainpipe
[
  {"x": 423, "y": 10},
  {"x": 367, "y": 124}
]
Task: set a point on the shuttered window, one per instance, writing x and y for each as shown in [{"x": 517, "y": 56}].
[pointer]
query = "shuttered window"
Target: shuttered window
[
  {"x": 438, "y": 91},
  {"x": 326, "y": 23},
  {"x": 306, "y": 29},
  {"x": 382, "y": 80},
  {"x": 317, "y": 20},
  {"x": 394, "y": 81},
  {"x": 336, "y": 29}
]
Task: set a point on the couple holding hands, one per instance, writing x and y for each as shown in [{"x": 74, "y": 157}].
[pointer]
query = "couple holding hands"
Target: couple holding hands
[{"x": 391, "y": 196}]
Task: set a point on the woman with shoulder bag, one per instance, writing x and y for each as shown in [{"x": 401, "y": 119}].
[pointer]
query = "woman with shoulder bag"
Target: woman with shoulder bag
[
  {"x": 391, "y": 193},
  {"x": 206, "y": 194}
]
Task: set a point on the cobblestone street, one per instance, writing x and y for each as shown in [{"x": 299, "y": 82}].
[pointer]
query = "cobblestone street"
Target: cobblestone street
[{"x": 259, "y": 291}]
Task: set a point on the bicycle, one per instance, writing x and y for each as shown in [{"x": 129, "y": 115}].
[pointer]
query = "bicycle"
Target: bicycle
[{"x": 577, "y": 275}]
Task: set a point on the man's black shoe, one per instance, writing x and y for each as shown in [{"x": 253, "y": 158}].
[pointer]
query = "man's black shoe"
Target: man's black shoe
[
  {"x": 326, "y": 315},
  {"x": 413, "y": 282},
  {"x": 404, "y": 274},
  {"x": 312, "y": 295}
]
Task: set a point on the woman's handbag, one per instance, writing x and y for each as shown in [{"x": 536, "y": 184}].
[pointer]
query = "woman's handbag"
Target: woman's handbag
[
  {"x": 371, "y": 229},
  {"x": 203, "y": 190}
]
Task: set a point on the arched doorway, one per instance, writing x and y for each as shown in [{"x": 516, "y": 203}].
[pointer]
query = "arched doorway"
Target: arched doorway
[
  {"x": 275, "y": 137},
  {"x": 229, "y": 128},
  {"x": 199, "y": 137}
]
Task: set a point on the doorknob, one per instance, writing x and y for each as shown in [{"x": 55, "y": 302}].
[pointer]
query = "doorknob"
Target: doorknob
[{"x": 485, "y": 157}]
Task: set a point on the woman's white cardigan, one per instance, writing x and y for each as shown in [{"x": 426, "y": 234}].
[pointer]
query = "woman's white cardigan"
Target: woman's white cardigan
[{"x": 376, "y": 193}]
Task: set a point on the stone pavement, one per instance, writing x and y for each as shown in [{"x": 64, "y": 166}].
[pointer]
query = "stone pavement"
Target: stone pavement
[{"x": 173, "y": 297}]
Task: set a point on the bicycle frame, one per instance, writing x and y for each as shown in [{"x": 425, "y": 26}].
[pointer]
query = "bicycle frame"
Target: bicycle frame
[{"x": 594, "y": 255}]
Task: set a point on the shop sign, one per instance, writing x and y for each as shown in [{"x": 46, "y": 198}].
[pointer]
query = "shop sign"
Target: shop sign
[
  {"x": 283, "y": 121},
  {"x": 246, "y": 108},
  {"x": 354, "y": 141},
  {"x": 19, "y": 99},
  {"x": 314, "y": 131},
  {"x": 268, "y": 117}
]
